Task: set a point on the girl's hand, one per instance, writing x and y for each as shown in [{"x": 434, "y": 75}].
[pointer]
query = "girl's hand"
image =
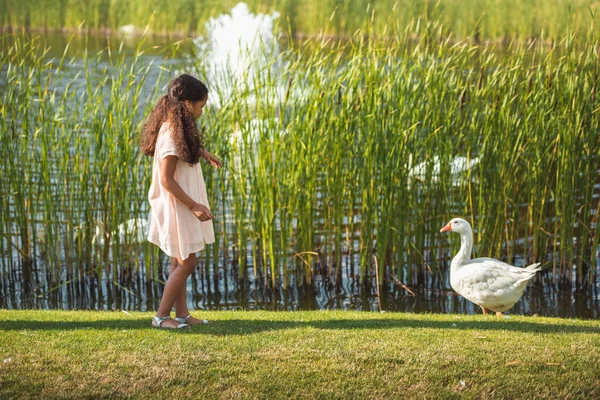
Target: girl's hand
[
  {"x": 212, "y": 160},
  {"x": 201, "y": 212}
]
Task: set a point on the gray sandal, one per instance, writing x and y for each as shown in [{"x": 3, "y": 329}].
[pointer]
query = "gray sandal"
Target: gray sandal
[
  {"x": 160, "y": 320},
  {"x": 184, "y": 320}
]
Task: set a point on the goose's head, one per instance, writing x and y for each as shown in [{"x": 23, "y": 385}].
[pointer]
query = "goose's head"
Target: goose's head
[{"x": 458, "y": 225}]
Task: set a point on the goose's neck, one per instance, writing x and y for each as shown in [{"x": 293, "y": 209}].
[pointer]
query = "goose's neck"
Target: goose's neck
[
  {"x": 464, "y": 254},
  {"x": 100, "y": 233}
]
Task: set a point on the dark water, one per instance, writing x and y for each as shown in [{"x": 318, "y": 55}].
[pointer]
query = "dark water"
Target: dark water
[{"x": 208, "y": 289}]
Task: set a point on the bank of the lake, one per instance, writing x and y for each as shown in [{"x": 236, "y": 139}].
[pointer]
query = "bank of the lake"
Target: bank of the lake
[{"x": 483, "y": 19}]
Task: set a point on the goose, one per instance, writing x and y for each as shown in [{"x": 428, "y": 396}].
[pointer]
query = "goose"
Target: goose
[
  {"x": 489, "y": 283},
  {"x": 132, "y": 231},
  {"x": 458, "y": 165}
]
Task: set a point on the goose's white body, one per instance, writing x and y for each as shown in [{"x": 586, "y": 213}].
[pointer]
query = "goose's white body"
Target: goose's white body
[
  {"x": 487, "y": 282},
  {"x": 131, "y": 231},
  {"x": 458, "y": 166}
]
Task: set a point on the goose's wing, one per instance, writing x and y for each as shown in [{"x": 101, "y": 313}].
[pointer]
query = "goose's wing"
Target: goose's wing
[
  {"x": 500, "y": 268},
  {"x": 487, "y": 275},
  {"x": 491, "y": 283}
]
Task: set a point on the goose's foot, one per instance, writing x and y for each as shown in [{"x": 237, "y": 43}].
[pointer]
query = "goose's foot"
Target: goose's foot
[
  {"x": 485, "y": 311},
  {"x": 499, "y": 314}
]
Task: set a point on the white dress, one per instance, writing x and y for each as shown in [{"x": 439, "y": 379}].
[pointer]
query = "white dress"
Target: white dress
[{"x": 171, "y": 225}]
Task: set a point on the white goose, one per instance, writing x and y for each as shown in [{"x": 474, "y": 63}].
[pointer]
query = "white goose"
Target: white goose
[
  {"x": 489, "y": 283},
  {"x": 458, "y": 166},
  {"x": 132, "y": 231}
]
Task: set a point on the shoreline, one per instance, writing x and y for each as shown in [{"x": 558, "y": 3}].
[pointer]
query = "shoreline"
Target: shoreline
[{"x": 299, "y": 36}]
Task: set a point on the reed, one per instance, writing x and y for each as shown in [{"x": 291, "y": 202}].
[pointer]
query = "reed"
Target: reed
[{"x": 327, "y": 180}]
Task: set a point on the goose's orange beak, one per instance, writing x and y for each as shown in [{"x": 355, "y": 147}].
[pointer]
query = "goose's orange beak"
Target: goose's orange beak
[{"x": 446, "y": 228}]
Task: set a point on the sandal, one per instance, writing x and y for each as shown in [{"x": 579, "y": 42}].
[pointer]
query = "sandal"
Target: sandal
[
  {"x": 184, "y": 320},
  {"x": 160, "y": 320}
]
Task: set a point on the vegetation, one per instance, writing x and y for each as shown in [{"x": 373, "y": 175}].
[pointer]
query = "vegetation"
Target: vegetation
[
  {"x": 318, "y": 354},
  {"x": 483, "y": 19},
  {"x": 339, "y": 171}
]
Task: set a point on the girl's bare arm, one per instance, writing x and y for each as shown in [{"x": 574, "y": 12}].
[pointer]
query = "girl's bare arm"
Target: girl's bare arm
[
  {"x": 168, "y": 181},
  {"x": 212, "y": 160}
]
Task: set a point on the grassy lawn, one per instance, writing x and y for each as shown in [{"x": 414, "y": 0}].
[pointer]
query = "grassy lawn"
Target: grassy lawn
[{"x": 319, "y": 354}]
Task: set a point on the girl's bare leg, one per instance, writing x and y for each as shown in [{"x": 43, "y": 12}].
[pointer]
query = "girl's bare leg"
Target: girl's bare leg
[
  {"x": 181, "y": 309},
  {"x": 175, "y": 284}
]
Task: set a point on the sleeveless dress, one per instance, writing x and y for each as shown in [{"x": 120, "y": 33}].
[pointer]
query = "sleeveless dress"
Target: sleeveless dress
[{"x": 171, "y": 225}]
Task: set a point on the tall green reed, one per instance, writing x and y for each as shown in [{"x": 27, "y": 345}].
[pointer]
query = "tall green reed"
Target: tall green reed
[
  {"x": 376, "y": 109},
  {"x": 71, "y": 158},
  {"x": 326, "y": 179}
]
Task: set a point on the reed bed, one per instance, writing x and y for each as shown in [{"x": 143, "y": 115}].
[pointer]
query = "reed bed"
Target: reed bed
[
  {"x": 333, "y": 172},
  {"x": 481, "y": 19}
]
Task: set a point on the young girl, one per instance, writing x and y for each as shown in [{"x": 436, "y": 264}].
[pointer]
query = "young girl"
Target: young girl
[{"x": 180, "y": 221}]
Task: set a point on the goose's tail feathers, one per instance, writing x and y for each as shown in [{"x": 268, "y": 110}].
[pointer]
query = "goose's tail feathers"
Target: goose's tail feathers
[{"x": 533, "y": 267}]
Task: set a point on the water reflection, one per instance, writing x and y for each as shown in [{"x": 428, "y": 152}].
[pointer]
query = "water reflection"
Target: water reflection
[{"x": 214, "y": 291}]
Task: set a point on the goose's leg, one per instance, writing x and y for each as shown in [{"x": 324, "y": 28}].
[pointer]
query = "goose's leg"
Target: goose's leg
[
  {"x": 499, "y": 314},
  {"x": 484, "y": 310}
]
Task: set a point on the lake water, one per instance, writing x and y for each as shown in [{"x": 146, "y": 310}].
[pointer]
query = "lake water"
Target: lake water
[{"x": 223, "y": 292}]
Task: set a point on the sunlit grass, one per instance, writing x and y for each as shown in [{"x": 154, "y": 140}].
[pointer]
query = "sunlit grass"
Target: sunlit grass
[{"x": 317, "y": 354}]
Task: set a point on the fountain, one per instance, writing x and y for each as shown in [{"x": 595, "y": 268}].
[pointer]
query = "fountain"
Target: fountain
[{"x": 239, "y": 50}]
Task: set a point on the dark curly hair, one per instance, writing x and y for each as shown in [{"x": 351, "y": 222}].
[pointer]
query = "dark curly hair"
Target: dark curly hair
[{"x": 170, "y": 107}]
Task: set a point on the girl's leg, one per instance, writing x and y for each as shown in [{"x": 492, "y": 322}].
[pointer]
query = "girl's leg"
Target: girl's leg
[
  {"x": 181, "y": 310},
  {"x": 174, "y": 285}
]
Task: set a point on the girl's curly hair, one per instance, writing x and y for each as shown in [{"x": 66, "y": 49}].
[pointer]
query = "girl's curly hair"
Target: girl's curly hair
[{"x": 170, "y": 107}]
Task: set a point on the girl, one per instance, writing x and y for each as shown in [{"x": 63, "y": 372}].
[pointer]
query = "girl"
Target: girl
[{"x": 180, "y": 221}]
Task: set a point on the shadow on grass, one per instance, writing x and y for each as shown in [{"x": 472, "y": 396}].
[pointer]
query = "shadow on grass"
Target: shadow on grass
[{"x": 244, "y": 327}]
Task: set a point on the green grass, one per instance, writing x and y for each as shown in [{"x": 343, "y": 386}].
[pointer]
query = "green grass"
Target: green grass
[{"x": 82, "y": 354}]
